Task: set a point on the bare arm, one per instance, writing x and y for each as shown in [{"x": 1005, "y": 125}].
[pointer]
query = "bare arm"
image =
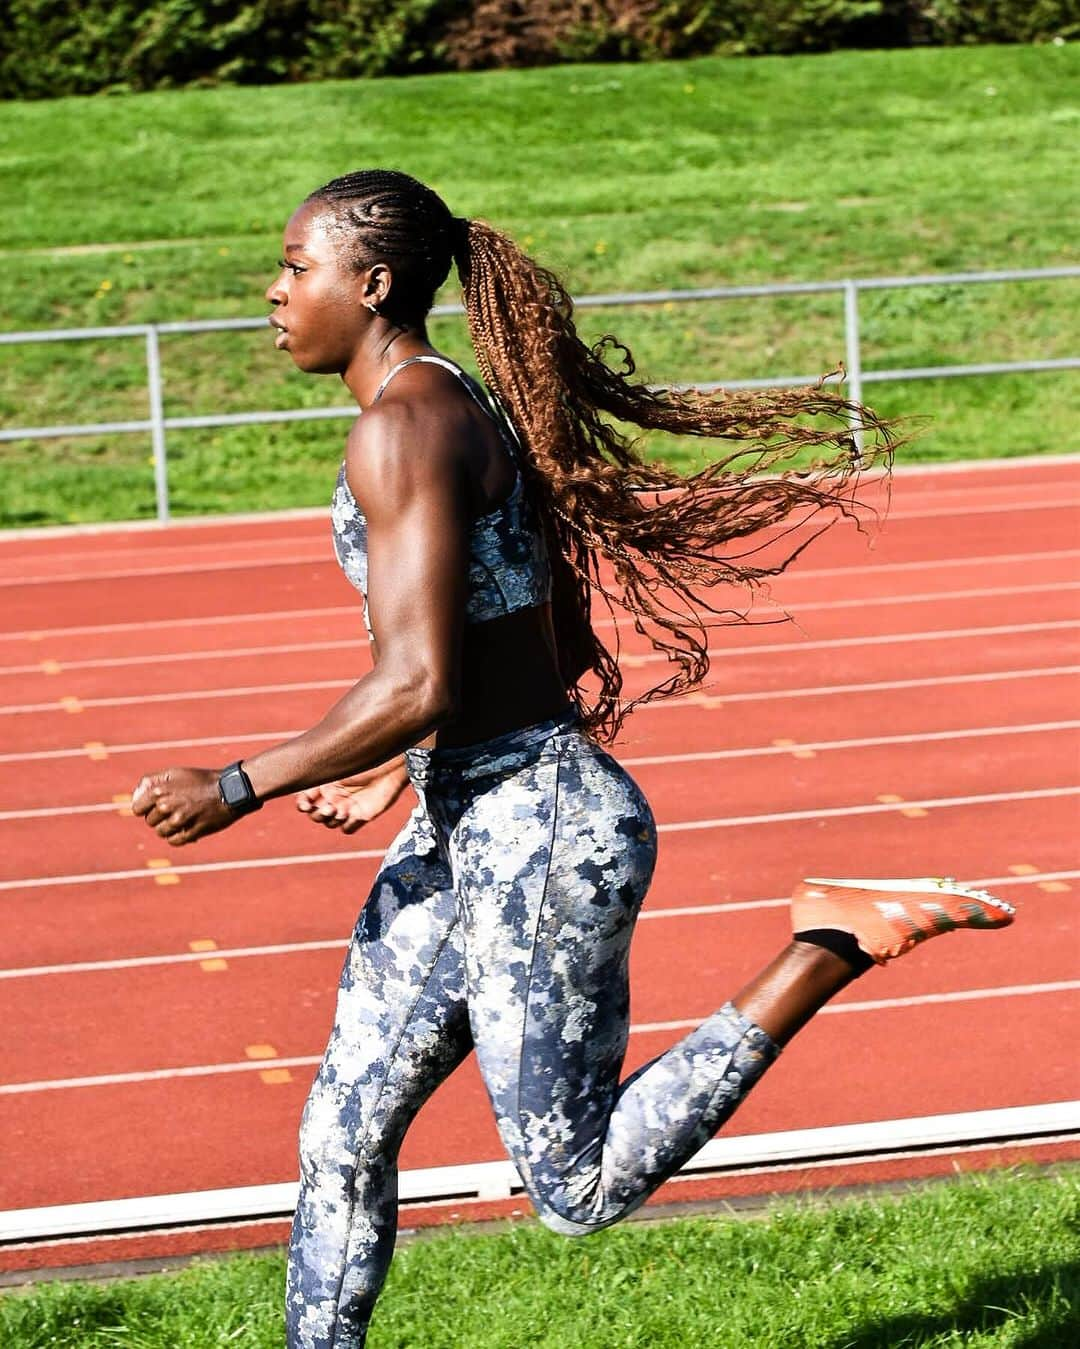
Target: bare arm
[
  {"x": 414, "y": 496},
  {"x": 413, "y": 489}
]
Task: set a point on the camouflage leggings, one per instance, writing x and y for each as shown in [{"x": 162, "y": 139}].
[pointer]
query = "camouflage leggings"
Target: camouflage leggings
[{"x": 501, "y": 919}]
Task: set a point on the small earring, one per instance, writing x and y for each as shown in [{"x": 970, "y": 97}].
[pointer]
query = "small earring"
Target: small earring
[{"x": 373, "y": 308}]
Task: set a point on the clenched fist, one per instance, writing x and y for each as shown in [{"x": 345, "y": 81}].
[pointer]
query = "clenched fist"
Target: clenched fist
[{"x": 181, "y": 804}]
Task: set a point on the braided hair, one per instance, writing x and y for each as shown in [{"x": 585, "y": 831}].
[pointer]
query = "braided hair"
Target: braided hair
[{"x": 640, "y": 536}]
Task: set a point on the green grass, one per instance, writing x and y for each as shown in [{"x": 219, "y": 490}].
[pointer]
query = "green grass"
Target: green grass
[
  {"x": 622, "y": 177},
  {"x": 991, "y": 1261}
]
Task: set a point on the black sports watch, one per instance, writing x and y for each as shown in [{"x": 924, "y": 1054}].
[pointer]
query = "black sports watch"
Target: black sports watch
[{"x": 236, "y": 790}]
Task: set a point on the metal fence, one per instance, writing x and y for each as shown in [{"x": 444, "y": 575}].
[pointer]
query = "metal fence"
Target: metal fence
[{"x": 158, "y": 425}]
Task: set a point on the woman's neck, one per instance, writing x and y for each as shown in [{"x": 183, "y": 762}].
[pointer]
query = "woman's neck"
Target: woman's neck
[{"x": 386, "y": 345}]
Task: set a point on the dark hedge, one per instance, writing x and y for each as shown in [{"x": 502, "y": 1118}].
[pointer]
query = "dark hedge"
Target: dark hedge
[{"x": 54, "y": 47}]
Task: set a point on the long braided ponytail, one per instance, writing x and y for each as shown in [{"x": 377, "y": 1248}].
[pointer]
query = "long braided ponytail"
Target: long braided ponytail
[{"x": 643, "y": 537}]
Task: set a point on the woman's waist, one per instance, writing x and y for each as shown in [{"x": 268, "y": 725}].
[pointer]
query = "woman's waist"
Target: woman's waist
[{"x": 494, "y": 755}]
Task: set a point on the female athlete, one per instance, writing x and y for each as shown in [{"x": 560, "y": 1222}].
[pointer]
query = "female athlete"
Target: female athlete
[{"x": 484, "y": 533}]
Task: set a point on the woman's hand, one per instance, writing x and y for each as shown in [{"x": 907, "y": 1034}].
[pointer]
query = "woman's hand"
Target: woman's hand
[
  {"x": 355, "y": 801},
  {"x": 182, "y": 804}
]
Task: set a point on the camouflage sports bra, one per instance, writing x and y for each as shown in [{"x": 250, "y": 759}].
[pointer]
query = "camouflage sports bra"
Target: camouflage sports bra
[{"x": 508, "y": 563}]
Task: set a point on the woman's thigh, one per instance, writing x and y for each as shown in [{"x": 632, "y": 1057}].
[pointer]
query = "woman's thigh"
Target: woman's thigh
[
  {"x": 401, "y": 1022},
  {"x": 551, "y": 867}
]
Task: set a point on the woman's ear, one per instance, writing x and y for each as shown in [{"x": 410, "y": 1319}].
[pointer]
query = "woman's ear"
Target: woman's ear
[{"x": 376, "y": 286}]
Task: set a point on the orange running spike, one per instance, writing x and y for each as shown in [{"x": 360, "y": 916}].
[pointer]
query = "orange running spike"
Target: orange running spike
[{"x": 889, "y": 917}]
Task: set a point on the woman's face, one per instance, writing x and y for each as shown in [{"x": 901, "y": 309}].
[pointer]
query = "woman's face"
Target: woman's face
[{"x": 318, "y": 297}]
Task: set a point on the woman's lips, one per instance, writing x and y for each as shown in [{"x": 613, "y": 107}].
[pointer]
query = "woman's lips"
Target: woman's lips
[{"x": 282, "y": 332}]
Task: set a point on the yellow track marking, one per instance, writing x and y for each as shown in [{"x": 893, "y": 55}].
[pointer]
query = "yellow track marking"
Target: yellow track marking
[
  {"x": 122, "y": 800},
  {"x": 96, "y": 750},
  {"x": 796, "y": 751},
  {"x": 161, "y": 865},
  {"x": 71, "y": 704},
  {"x": 703, "y": 700},
  {"x": 273, "y": 1077},
  {"x": 1054, "y": 887},
  {"x": 1023, "y": 869},
  {"x": 212, "y": 966},
  {"x": 909, "y": 812},
  {"x": 51, "y": 667}
]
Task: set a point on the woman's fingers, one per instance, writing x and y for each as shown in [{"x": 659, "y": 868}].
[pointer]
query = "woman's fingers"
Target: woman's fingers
[
  {"x": 325, "y": 805},
  {"x": 148, "y": 789}
]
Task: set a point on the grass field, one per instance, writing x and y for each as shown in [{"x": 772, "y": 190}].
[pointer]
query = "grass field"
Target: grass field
[
  {"x": 993, "y": 1261},
  {"x": 169, "y": 206}
]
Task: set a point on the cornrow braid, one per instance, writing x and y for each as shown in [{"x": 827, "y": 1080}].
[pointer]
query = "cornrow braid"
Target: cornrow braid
[
  {"x": 385, "y": 216},
  {"x": 651, "y": 543}
]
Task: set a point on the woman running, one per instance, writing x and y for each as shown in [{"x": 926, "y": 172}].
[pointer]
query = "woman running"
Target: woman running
[{"x": 483, "y": 533}]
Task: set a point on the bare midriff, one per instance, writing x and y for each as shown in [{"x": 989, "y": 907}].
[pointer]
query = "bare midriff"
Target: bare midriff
[{"x": 509, "y": 679}]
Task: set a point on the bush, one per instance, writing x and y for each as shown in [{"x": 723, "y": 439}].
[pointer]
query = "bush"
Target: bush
[{"x": 52, "y": 47}]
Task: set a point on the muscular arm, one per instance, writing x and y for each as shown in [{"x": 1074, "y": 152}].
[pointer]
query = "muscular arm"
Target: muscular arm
[
  {"x": 410, "y": 479},
  {"x": 414, "y": 493}
]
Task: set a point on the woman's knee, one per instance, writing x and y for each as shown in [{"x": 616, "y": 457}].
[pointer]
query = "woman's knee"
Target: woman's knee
[{"x": 326, "y": 1142}]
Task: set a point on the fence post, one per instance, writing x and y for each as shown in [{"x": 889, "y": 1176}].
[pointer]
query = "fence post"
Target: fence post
[
  {"x": 853, "y": 355},
  {"x": 157, "y": 424}
]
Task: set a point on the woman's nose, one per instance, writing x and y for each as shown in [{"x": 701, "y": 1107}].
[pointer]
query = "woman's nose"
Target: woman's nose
[{"x": 275, "y": 292}]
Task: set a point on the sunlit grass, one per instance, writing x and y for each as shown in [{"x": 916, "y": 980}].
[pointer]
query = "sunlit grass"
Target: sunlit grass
[
  {"x": 993, "y": 1261},
  {"x": 168, "y": 206}
]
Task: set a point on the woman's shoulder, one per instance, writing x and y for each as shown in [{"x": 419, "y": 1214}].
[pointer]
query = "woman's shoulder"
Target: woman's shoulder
[{"x": 397, "y": 448}]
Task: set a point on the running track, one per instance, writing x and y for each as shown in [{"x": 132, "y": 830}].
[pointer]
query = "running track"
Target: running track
[{"x": 164, "y": 1009}]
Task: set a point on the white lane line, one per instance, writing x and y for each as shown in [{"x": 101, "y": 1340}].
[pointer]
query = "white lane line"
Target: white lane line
[
  {"x": 886, "y": 1004},
  {"x": 196, "y": 869},
  {"x": 218, "y": 653},
  {"x": 351, "y": 610},
  {"x": 862, "y": 1144},
  {"x": 935, "y": 564},
  {"x": 59, "y": 812},
  {"x": 183, "y": 695},
  {"x": 688, "y": 700},
  {"x": 864, "y": 742},
  {"x": 839, "y": 812},
  {"x": 246, "y": 546},
  {"x": 693, "y": 701},
  {"x": 340, "y": 943},
  {"x": 726, "y": 652},
  {"x": 1020, "y": 505},
  {"x": 80, "y": 751},
  {"x": 156, "y": 1075},
  {"x": 153, "y": 549},
  {"x": 722, "y": 652},
  {"x": 214, "y": 620},
  {"x": 643, "y": 1028},
  {"x": 176, "y": 958},
  {"x": 925, "y": 597},
  {"x": 684, "y": 826},
  {"x": 322, "y": 553},
  {"x": 272, "y": 737},
  {"x": 642, "y": 761}
]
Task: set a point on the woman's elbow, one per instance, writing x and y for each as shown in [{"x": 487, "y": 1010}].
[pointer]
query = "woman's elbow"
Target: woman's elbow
[
  {"x": 441, "y": 703},
  {"x": 434, "y": 698}
]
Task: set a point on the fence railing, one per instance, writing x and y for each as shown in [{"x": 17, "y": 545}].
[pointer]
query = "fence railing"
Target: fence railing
[{"x": 158, "y": 425}]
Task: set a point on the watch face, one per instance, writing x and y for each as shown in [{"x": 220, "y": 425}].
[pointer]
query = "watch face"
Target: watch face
[{"x": 233, "y": 789}]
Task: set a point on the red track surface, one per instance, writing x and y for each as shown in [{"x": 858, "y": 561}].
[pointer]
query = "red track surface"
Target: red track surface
[{"x": 931, "y": 669}]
